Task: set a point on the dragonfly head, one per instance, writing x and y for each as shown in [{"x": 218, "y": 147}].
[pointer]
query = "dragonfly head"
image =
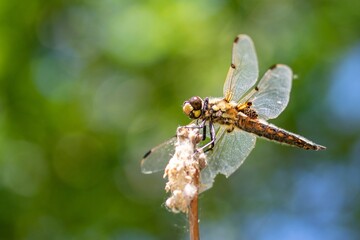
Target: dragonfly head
[{"x": 193, "y": 107}]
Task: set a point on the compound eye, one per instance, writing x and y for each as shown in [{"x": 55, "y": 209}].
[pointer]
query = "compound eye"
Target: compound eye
[
  {"x": 187, "y": 108},
  {"x": 196, "y": 103}
]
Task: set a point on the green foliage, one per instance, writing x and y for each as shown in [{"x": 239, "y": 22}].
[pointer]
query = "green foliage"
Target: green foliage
[{"x": 87, "y": 87}]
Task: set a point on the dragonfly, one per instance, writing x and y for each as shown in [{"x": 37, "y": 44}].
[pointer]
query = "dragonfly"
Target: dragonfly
[{"x": 235, "y": 120}]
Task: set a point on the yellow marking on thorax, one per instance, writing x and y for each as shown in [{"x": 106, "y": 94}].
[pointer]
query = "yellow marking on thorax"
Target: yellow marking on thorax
[
  {"x": 222, "y": 109},
  {"x": 242, "y": 106}
]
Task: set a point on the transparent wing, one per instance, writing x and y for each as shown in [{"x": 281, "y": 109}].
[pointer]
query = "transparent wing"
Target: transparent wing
[
  {"x": 230, "y": 151},
  {"x": 157, "y": 158},
  {"x": 243, "y": 71},
  {"x": 273, "y": 92}
]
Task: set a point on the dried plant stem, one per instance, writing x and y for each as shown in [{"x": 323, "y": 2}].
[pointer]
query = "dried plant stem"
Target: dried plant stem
[
  {"x": 183, "y": 173},
  {"x": 193, "y": 213}
]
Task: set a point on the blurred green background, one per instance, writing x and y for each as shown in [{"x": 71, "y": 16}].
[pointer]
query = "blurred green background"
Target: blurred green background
[{"x": 87, "y": 87}]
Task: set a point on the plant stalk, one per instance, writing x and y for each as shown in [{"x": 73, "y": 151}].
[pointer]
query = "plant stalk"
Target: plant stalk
[{"x": 194, "y": 213}]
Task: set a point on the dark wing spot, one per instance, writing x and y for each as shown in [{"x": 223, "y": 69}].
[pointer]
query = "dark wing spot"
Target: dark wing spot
[
  {"x": 273, "y": 66},
  {"x": 236, "y": 40},
  {"x": 256, "y": 88},
  {"x": 233, "y": 66},
  {"x": 147, "y": 154}
]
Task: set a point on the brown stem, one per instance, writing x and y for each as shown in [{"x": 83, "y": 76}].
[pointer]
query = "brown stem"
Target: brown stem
[{"x": 193, "y": 212}]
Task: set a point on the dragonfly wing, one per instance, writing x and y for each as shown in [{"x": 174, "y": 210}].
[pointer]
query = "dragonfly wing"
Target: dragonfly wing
[
  {"x": 157, "y": 158},
  {"x": 230, "y": 151},
  {"x": 273, "y": 92},
  {"x": 243, "y": 71}
]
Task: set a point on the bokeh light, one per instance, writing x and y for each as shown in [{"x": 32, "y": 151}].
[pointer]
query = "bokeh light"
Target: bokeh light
[{"x": 87, "y": 87}]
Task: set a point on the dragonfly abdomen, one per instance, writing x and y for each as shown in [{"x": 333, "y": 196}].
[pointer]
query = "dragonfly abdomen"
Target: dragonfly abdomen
[{"x": 271, "y": 132}]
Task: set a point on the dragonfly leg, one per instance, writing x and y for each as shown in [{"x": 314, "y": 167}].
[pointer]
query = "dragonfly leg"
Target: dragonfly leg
[
  {"x": 201, "y": 125},
  {"x": 205, "y": 105},
  {"x": 212, "y": 136},
  {"x": 204, "y": 133},
  {"x": 210, "y": 145}
]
